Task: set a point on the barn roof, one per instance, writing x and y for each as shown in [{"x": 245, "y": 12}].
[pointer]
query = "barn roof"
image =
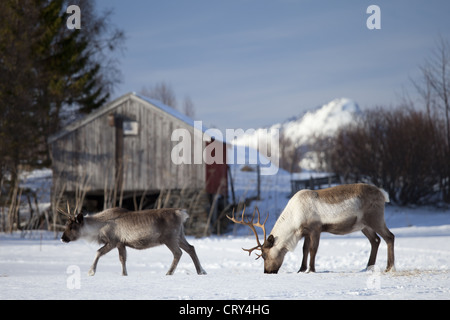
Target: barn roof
[{"x": 115, "y": 103}]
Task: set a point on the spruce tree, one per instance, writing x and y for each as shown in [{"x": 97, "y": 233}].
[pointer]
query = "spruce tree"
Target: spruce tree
[{"x": 49, "y": 74}]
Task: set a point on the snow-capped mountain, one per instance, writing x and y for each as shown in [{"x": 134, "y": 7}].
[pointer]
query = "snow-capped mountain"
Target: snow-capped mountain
[
  {"x": 321, "y": 121},
  {"x": 318, "y": 122}
]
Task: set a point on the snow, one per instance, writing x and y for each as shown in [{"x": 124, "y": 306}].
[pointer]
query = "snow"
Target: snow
[
  {"x": 303, "y": 130},
  {"x": 169, "y": 110},
  {"x": 39, "y": 180},
  {"x": 41, "y": 267},
  {"x": 322, "y": 121}
]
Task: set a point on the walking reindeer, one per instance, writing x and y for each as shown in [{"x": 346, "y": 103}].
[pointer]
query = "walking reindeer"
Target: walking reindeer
[
  {"x": 338, "y": 210},
  {"x": 120, "y": 228}
]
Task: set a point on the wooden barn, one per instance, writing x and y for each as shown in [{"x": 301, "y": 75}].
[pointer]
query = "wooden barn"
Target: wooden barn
[{"x": 120, "y": 155}]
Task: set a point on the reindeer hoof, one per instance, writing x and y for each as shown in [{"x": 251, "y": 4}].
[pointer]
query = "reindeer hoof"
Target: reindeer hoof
[
  {"x": 371, "y": 268},
  {"x": 91, "y": 272},
  {"x": 390, "y": 269}
]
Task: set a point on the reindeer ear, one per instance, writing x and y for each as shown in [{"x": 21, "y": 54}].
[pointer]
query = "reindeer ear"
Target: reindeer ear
[
  {"x": 269, "y": 242},
  {"x": 80, "y": 218}
]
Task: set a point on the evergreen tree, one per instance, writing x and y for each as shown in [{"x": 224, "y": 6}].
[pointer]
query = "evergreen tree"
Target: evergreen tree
[{"x": 49, "y": 73}]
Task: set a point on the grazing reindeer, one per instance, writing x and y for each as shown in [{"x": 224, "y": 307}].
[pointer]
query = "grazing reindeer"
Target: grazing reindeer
[
  {"x": 120, "y": 228},
  {"x": 338, "y": 210}
]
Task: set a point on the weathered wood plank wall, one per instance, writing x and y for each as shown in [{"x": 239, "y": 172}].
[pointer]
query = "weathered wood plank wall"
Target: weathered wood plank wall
[{"x": 86, "y": 149}]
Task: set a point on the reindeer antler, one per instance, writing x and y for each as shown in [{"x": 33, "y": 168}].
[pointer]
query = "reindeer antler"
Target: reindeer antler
[
  {"x": 68, "y": 214},
  {"x": 252, "y": 226}
]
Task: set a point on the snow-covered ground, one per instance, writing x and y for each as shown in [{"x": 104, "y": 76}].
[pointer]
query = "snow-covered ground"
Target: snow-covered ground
[{"x": 40, "y": 267}]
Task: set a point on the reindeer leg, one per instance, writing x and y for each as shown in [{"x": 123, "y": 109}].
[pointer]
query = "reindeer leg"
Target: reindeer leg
[
  {"x": 374, "y": 242},
  {"x": 100, "y": 252},
  {"x": 389, "y": 237},
  {"x": 314, "y": 245},
  {"x": 176, "y": 251},
  {"x": 123, "y": 258},
  {"x": 306, "y": 243},
  {"x": 191, "y": 251}
]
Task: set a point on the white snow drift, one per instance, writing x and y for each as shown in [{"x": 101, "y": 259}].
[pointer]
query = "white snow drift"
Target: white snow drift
[{"x": 43, "y": 268}]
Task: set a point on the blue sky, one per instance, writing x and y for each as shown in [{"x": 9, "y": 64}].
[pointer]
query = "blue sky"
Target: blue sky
[{"x": 250, "y": 63}]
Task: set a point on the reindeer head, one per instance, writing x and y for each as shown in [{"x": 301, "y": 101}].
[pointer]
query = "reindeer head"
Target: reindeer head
[
  {"x": 73, "y": 225},
  {"x": 272, "y": 256}
]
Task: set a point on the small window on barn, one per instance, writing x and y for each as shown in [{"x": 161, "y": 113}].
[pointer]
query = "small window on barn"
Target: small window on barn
[{"x": 130, "y": 128}]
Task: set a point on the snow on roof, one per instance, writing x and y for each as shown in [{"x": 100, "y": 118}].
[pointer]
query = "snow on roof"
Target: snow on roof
[
  {"x": 115, "y": 103},
  {"x": 173, "y": 112},
  {"x": 248, "y": 155}
]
